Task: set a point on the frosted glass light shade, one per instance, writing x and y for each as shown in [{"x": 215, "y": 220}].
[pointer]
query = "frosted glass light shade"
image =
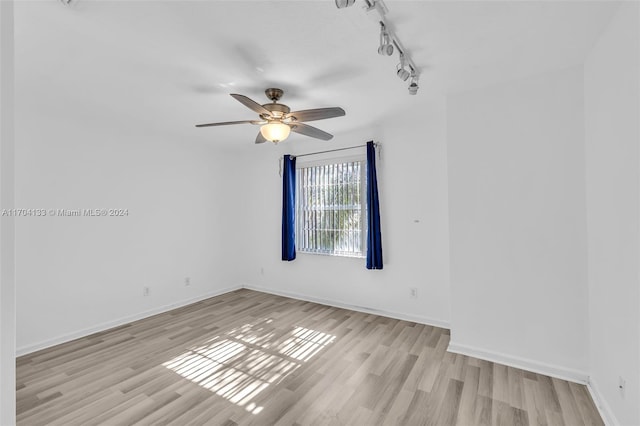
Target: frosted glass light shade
[{"x": 275, "y": 132}]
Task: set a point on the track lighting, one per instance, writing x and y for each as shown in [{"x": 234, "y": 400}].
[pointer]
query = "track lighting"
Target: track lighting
[
  {"x": 401, "y": 69},
  {"x": 389, "y": 42},
  {"x": 386, "y": 46},
  {"x": 344, "y": 3}
]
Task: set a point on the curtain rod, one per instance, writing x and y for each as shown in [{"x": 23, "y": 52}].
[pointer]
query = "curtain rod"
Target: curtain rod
[{"x": 333, "y": 150}]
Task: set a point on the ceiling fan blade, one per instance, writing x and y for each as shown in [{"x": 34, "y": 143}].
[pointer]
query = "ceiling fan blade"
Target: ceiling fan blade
[
  {"x": 225, "y": 123},
  {"x": 260, "y": 138},
  {"x": 311, "y": 131},
  {"x": 251, "y": 104},
  {"x": 316, "y": 114}
]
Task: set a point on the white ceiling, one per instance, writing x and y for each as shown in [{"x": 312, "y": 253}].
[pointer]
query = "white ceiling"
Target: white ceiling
[{"x": 169, "y": 65}]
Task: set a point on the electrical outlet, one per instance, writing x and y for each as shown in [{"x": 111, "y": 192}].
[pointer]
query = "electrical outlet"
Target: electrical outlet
[
  {"x": 187, "y": 281},
  {"x": 622, "y": 384},
  {"x": 145, "y": 291},
  {"x": 413, "y": 292},
  {"x": 261, "y": 271}
]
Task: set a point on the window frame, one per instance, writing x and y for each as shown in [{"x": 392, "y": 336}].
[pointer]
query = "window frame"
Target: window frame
[{"x": 303, "y": 164}]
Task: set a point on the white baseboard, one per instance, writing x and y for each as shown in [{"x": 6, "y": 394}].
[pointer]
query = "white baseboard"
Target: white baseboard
[
  {"x": 601, "y": 404},
  {"x": 338, "y": 304},
  {"x": 24, "y": 350},
  {"x": 563, "y": 373}
]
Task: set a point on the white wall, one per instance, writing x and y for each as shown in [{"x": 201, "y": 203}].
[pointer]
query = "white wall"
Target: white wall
[
  {"x": 87, "y": 137},
  {"x": 80, "y": 274},
  {"x": 517, "y": 223},
  {"x": 76, "y": 274},
  {"x": 612, "y": 112},
  {"x": 412, "y": 187},
  {"x": 7, "y": 236}
]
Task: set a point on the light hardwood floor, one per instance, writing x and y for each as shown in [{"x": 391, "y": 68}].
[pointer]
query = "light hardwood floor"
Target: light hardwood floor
[{"x": 252, "y": 358}]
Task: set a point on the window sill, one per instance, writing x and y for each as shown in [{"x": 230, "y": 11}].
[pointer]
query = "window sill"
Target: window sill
[{"x": 316, "y": 253}]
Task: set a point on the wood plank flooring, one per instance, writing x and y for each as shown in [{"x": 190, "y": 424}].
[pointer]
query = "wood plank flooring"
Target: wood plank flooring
[{"x": 249, "y": 358}]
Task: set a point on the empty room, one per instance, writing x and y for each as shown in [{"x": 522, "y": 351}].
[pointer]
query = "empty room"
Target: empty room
[{"x": 319, "y": 212}]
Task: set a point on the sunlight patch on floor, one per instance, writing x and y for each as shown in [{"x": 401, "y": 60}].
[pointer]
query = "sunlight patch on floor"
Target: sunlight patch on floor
[
  {"x": 245, "y": 361},
  {"x": 304, "y": 343}
]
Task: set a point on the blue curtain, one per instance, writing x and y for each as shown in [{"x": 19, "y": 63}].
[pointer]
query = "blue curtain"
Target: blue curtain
[
  {"x": 374, "y": 234},
  {"x": 289, "y": 208}
]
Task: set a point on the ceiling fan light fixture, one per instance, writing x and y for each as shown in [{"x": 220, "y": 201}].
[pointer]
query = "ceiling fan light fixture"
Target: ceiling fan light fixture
[{"x": 275, "y": 131}]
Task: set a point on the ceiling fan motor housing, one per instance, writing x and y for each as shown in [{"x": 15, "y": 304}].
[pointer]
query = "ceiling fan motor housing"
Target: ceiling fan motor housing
[
  {"x": 278, "y": 109},
  {"x": 274, "y": 94}
]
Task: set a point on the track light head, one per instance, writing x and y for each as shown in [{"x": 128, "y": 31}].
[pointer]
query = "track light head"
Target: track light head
[
  {"x": 401, "y": 70},
  {"x": 385, "y": 49},
  {"x": 413, "y": 86},
  {"x": 403, "y": 74},
  {"x": 386, "y": 45},
  {"x": 341, "y": 4}
]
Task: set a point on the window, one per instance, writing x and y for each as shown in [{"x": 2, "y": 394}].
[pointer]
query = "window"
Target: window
[{"x": 331, "y": 208}]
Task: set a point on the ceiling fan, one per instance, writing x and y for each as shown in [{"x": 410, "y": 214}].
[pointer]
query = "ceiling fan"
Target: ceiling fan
[{"x": 278, "y": 121}]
